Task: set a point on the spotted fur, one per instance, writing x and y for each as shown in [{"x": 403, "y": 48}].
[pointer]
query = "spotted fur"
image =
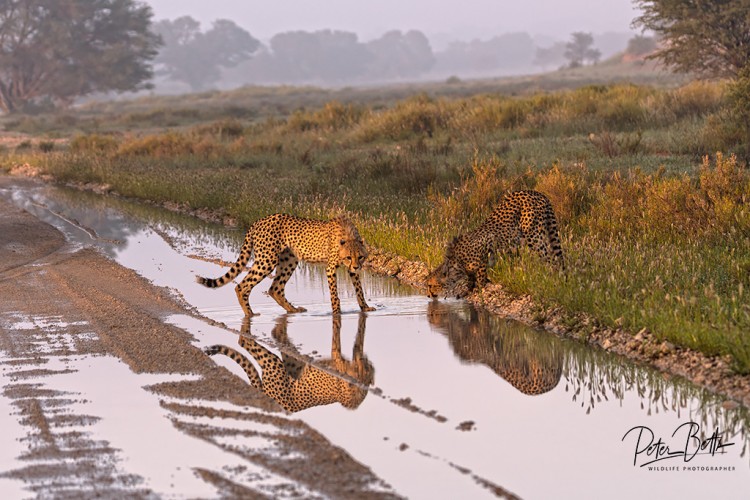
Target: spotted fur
[
  {"x": 297, "y": 384},
  {"x": 532, "y": 363},
  {"x": 522, "y": 217},
  {"x": 279, "y": 241}
]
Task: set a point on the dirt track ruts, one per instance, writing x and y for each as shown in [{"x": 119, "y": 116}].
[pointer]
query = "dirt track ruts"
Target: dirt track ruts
[{"x": 41, "y": 276}]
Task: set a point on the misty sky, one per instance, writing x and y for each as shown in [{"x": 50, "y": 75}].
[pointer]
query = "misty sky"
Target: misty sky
[{"x": 438, "y": 19}]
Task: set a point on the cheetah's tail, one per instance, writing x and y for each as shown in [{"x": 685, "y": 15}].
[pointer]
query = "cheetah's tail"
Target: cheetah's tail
[
  {"x": 238, "y": 358},
  {"x": 554, "y": 241},
  {"x": 237, "y": 267}
]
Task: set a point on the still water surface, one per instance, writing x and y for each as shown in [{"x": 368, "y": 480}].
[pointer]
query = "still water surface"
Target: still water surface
[{"x": 447, "y": 401}]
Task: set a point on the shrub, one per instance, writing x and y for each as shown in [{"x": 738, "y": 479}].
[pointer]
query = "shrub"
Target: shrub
[
  {"x": 169, "y": 144},
  {"x": 612, "y": 145},
  {"x": 568, "y": 191},
  {"x": 223, "y": 129},
  {"x": 332, "y": 116},
  {"x": 93, "y": 143},
  {"x": 725, "y": 187},
  {"x": 476, "y": 196},
  {"x": 695, "y": 99},
  {"x": 419, "y": 115}
]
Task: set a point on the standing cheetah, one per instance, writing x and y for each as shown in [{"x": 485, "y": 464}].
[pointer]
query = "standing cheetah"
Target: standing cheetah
[
  {"x": 279, "y": 241},
  {"x": 521, "y": 217}
]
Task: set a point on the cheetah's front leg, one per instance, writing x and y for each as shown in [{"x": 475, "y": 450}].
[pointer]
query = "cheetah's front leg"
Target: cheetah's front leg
[
  {"x": 360, "y": 294},
  {"x": 331, "y": 275},
  {"x": 479, "y": 271}
]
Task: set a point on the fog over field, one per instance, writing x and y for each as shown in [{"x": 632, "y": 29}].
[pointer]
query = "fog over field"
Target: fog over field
[
  {"x": 343, "y": 43},
  {"x": 440, "y": 20}
]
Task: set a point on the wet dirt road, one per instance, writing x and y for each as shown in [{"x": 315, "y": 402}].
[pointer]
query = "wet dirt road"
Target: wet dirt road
[
  {"x": 106, "y": 389},
  {"x": 102, "y": 397}
]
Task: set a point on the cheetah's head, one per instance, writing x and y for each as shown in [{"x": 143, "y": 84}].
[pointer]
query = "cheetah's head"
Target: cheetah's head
[
  {"x": 437, "y": 279},
  {"x": 353, "y": 254},
  {"x": 352, "y": 251},
  {"x": 449, "y": 278}
]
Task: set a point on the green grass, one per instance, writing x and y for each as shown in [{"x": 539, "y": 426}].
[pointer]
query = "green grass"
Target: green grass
[{"x": 655, "y": 236}]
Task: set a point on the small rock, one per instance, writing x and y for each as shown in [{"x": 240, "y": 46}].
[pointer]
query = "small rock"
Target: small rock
[
  {"x": 729, "y": 404},
  {"x": 466, "y": 426}
]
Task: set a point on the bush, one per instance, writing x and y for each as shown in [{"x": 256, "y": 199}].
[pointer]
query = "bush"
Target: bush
[
  {"x": 568, "y": 191},
  {"x": 419, "y": 115},
  {"x": 223, "y": 129},
  {"x": 93, "y": 143},
  {"x": 162, "y": 145},
  {"x": 333, "y": 116}
]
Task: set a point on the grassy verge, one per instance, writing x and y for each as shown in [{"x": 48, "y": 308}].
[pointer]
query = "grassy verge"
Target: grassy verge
[{"x": 656, "y": 225}]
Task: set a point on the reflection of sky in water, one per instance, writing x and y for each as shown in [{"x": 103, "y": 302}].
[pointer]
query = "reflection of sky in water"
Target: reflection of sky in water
[{"x": 451, "y": 360}]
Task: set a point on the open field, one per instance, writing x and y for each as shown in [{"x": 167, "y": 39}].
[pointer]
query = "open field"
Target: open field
[{"x": 655, "y": 223}]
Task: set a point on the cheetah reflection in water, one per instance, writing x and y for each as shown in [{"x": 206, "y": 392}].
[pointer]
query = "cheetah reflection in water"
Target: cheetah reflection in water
[
  {"x": 528, "y": 360},
  {"x": 297, "y": 384}
]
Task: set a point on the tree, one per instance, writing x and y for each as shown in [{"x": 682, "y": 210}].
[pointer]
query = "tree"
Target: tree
[
  {"x": 325, "y": 55},
  {"x": 58, "y": 50},
  {"x": 641, "y": 46},
  {"x": 398, "y": 55},
  {"x": 708, "y": 37},
  {"x": 507, "y": 53},
  {"x": 550, "y": 56},
  {"x": 580, "y": 49},
  {"x": 197, "y": 58}
]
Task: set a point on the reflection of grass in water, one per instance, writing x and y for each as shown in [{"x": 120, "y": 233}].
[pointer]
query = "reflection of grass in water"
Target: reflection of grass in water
[
  {"x": 314, "y": 274},
  {"x": 179, "y": 229},
  {"x": 594, "y": 377},
  {"x": 591, "y": 377}
]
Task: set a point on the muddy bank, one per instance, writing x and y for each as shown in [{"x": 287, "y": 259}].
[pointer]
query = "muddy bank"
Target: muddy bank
[{"x": 61, "y": 304}]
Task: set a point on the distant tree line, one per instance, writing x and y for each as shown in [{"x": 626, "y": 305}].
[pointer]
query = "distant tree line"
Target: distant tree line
[
  {"x": 228, "y": 53},
  {"x": 336, "y": 57},
  {"x": 53, "y": 52},
  {"x": 510, "y": 52}
]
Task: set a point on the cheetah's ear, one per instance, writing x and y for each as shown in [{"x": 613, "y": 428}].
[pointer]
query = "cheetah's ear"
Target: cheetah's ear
[{"x": 342, "y": 241}]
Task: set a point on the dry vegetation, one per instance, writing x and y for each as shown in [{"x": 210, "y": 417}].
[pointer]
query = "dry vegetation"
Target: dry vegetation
[{"x": 655, "y": 222}]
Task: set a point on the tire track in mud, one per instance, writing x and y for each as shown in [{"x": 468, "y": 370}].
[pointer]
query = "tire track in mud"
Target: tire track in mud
[{"x": 80, "y": 304}]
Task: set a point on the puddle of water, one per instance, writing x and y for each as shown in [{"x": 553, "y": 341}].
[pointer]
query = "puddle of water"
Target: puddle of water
[
  {"x": 530, "y": 405},
  {"x": 50, "y": 333},
  {"x": 169, "y": 468},
  {"x": 131, "y": 421},
  {"x": 11, "y": 446},
  {"x": 166, "y": 468}
]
